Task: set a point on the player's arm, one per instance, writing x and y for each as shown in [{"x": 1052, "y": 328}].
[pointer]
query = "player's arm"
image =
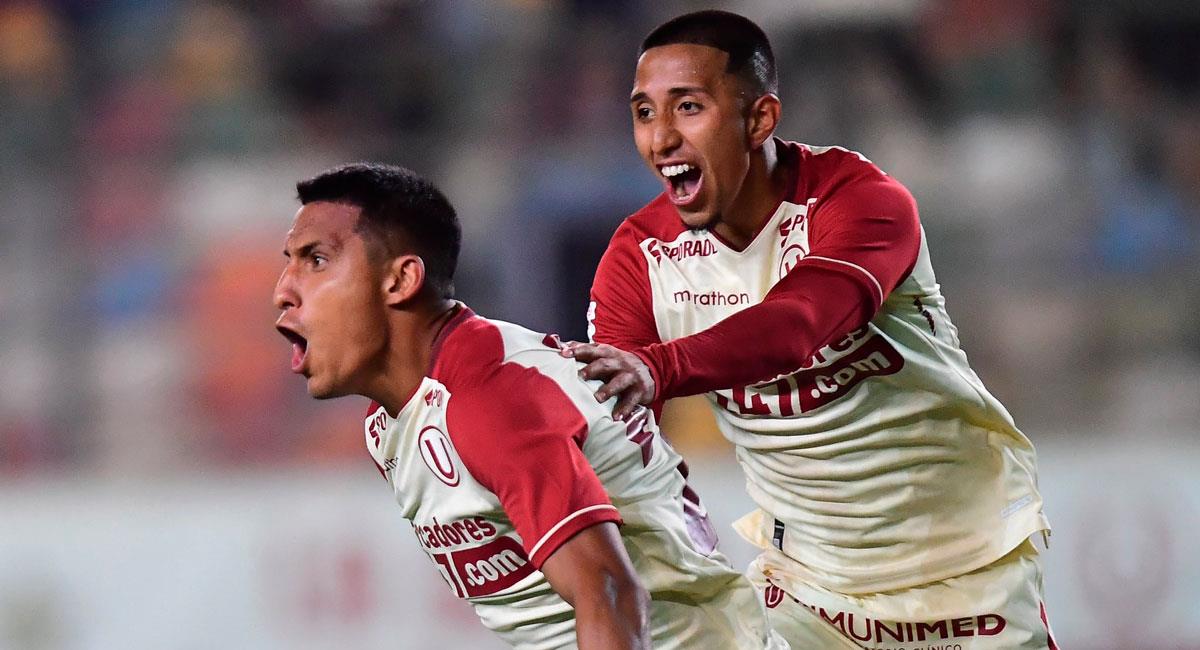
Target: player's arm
[
  {"x": 522, "y": 438},
  {"x": 593, "y": 573},
  {"x": 864, "y": 242},
  {"x": 621, "y": 317}
]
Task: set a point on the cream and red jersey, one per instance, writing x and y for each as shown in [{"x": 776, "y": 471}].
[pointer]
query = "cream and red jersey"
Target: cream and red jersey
[
  {"x": 502, "y": 454},
  {"x": 876, "y": 456}
]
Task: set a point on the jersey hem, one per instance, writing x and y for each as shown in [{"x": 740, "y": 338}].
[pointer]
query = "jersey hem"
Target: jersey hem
[{"x": 892, "y": 580}]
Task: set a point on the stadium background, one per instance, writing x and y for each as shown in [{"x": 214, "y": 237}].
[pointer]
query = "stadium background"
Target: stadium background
[{"x": 165, "y": 483}]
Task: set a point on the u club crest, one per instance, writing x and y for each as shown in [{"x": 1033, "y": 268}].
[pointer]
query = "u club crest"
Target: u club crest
[{"x": 437, "y": 453}]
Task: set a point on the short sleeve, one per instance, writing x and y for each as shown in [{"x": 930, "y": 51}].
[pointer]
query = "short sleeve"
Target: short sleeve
[{"x": 521, "y": 437}]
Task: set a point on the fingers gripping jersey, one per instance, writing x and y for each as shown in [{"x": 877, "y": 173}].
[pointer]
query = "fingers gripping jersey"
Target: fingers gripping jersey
[
  {"x": 827, "y": 353},
  {"x": 502, "y": 454}
]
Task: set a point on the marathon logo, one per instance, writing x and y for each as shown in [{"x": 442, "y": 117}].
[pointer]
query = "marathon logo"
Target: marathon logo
[
  {"x": 712, "y": 298},
  {"x": 682, "y": 250},
  {"x": 484, "y": 570}
]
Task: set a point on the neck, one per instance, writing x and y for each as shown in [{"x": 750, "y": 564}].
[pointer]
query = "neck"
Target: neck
[
  {"x": 409, "y": 353},
  {"x": 763, "y": 188}
]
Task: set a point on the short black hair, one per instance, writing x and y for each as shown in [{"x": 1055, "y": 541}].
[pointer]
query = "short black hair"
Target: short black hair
[
  {"x": 750, "y": 57},
  {"x": 400, "y": 210}
]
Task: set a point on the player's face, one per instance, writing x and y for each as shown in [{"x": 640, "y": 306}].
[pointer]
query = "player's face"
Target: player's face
[
  {"x": 690, "y": 128},
  {"x": 332, "y": 301}
]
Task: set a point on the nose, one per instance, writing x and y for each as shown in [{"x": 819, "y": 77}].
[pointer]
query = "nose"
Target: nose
[
  {"x": 285, "y": 291},
  {"x": 666, "y": 137}
]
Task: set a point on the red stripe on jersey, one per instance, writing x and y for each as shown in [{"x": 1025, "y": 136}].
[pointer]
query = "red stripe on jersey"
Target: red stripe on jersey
[
  {"x": 519, "y": 436},
  {"x": 1046, "y": 622}
]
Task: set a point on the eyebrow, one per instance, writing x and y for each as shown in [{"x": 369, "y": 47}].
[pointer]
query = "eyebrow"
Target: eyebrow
[
  {"x": 307, "y": 249},
  {"x": 673, "y": 92}
]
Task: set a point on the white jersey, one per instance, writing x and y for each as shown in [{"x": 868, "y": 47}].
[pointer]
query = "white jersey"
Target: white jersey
[
  {"x": 502, "y": 454},
  {"x": 881, "y": 464}
]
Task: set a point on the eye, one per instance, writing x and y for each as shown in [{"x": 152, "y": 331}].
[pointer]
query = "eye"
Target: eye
[
  {"x": 643, "y": 113},
  {"x": 688, "y": 106},
  {"x": 317, "y": 260}
]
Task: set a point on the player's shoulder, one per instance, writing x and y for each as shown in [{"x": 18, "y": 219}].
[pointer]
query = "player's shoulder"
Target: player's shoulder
[
  {"x": 466, "y": 351},
  {"x": 473, "y": 350},
  {"x": 839, "y": 175},
  {"x": 824, "y": 168}
]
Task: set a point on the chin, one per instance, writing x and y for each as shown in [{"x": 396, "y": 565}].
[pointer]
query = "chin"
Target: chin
[
  {"x": 316, "y": 390},
  {"x": 697, "y": 220}
]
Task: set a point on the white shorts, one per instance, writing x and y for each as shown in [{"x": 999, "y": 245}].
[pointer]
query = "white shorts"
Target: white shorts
[{"x": 996, "y": 607}]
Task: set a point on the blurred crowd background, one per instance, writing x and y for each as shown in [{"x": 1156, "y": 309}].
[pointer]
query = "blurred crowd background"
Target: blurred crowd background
[{"x": 149, "y": 152}]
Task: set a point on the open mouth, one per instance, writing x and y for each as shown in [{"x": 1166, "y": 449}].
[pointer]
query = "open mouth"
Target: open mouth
[
  {"x": 683, "y": 182},
  {"x": 299, "y": 346}
]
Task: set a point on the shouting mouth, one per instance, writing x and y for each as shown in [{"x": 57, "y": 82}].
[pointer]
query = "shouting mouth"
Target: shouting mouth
[
  {"x": 299, "y": 347},
  {"x": 683, "y": 182}
]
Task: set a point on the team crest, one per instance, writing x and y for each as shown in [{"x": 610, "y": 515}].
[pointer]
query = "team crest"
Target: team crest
[{"x": 438, "y": 454}]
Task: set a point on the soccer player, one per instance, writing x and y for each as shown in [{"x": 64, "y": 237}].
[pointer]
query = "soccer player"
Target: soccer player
[
  {"x": 792, "y": 284},
  {"x": 562, "y": 526}
]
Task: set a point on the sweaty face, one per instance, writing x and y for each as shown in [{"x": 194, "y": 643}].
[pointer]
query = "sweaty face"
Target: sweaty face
[
  {"x": 331, "y": 297},
  {"x": 689, "y": 127}
]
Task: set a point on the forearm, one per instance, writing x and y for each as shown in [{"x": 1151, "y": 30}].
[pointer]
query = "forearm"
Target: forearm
[
  {"x": 776, "y": 337},
  {"x": 593, "y": 573},
  {"x": 614, "y": 617}
]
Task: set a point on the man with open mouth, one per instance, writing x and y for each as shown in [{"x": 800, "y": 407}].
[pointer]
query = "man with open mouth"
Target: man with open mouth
[
  {"x": 792, "y": 284},
  {"x": 561, "y": 525}
]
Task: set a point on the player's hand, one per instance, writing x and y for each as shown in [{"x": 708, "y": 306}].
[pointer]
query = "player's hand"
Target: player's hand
[{"x": 623, "y": 373}]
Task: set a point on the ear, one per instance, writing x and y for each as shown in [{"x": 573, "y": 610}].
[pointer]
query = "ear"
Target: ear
[
  {"x": 403, "y": 279},
  {"x": 762, "y": 118}
]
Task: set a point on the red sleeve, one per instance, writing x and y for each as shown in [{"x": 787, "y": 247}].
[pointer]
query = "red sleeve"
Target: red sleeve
[
  {"x": 521, "y": 437},
  {"x": 621, "y": 313},
  {"x": 864, "y": 241}
]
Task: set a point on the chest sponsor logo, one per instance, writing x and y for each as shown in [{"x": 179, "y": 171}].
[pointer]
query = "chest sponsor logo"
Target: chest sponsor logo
[
  {"x": 682, "y": 250},
  {"x": 811, "y": 389},
  {"x": 437, "y": 452},
  {"x": 484, "y": 570},
  {"x": 711, "y": 298},
  {"x": 464, "y": 531}
]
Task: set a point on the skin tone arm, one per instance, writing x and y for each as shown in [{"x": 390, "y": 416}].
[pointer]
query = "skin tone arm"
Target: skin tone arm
[{"x": 593, "y": 573}]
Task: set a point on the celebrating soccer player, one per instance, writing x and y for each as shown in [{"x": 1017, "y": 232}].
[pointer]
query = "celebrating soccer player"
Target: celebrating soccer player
[
  {"x": 792, "y": 284},
  {"x": 527, "y": 495}
]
